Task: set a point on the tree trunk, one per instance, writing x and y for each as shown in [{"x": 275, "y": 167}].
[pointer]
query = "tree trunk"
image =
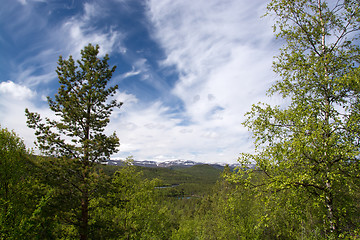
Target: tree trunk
[
  {"x": 328, "y": 186},
  {"x": 85, "y": 191},
  {"x": 84, "y": 215},
  {"x": 330, "y": 209}
]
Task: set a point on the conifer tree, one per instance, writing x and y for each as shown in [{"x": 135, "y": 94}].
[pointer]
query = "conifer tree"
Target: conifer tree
[{"x": 77, "y": 141}]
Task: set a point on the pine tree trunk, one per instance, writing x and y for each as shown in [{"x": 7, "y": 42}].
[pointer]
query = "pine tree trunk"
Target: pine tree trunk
[
  {"x": 84, "y": 216},
  {"x": 85, "y": 196}
]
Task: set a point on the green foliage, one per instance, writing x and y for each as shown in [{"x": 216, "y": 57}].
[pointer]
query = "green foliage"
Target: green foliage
[
  {"x": 23, "y": 198},
  {"x": 77, "y": 141},
  {"x": 124, "y": 204},
  {"x": 308, "y": 150},
  {"x": 131, "y": 209},
  {"x": 63, "y": 209},
  {"x": 227, "y": 212},
  {"x": 167, "y": 175},
  {"x": 13, "y": 156},
  {"x": 83, "y": 108},
  {"x": 203, "y": 173}
]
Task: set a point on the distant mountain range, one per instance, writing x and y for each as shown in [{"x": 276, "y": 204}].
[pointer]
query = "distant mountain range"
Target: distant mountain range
[{"x": 171, "y": 163}]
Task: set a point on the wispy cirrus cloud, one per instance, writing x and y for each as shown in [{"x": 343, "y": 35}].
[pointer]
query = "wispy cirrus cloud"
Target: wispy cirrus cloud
[
  {"x": 81, "y": 30},
  {"x": 25, "y": 2},
  {"x": 131, "y": 73},
  {"x": 67, "y": 36},
  {"x": 223, "y": 53}
]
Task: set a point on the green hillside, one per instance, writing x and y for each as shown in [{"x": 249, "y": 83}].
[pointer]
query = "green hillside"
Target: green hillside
[
  {"x": 185, "y": 181},
  {"x": 190, "y": 181},
  {"x": 202, "y": 173}
]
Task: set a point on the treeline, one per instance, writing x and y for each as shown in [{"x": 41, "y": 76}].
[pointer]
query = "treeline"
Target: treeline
[{"x": 37, "y": 202}]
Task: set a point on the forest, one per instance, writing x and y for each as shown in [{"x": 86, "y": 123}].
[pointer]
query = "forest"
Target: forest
[{"x": 306, "y": 179}]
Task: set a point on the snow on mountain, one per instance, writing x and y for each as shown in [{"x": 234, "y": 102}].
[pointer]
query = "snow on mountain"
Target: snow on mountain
[{"x": 169, "y": 163}]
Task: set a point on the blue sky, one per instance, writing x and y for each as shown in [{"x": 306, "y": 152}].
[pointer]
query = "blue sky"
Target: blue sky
[{"x": 187, "y": 70}]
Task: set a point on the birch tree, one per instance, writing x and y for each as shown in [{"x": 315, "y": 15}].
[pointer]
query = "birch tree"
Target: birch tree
[{"x": 310, "y": 146}]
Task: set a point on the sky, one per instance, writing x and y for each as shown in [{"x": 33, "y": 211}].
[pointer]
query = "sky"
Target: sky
[{"x": 187, "y": 70}]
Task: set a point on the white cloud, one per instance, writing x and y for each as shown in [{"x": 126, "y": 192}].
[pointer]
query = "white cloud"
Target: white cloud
[
  {"x": 28, "y": 76},
  {"x": 25, "y": 2},
  {"x": 223, "y": 52},
  {"x": 131, "y": 73},
  {"x": 80, "y": 30},
  {"x": 76, "y": 32},
  {"x": 140, "y": 67},
  {"x": 15, "y": 91},
  {"x": 126, "y": 98},
  {"x": 35, "y": 66},
  {"x": 152, "y": 133},
  {"x": 67, "y": 37},
  {"x": 91, "y": 10},
  {"x": 14, "y": 98},
  {"x": 129, "y": 101}
]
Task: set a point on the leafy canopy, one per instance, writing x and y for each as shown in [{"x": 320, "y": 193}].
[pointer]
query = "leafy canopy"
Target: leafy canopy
[{"x": 310, "y": 147}]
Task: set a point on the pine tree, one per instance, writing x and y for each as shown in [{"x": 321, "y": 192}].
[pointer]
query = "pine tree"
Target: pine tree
[{"x": 77, "y": 141}]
